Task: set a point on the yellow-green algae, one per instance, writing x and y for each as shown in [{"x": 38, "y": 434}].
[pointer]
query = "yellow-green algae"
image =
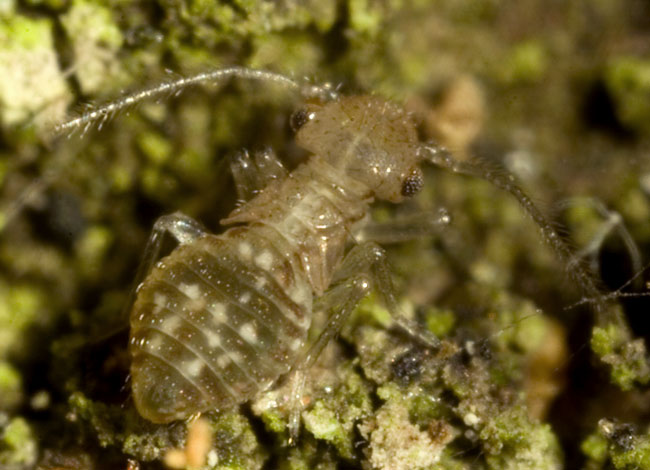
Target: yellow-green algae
[
  {"x": 18, "y": 446},
  {"x": 32, "y": 79},
  {"x": 629, "y": 80},
  {"x": 627, "y": 357},
  {"x": 485, "y": 284},
  {"x": 619, "y": 445},
  {"x": 96, "y": 39},
  {"x": 10, "y": 387}
]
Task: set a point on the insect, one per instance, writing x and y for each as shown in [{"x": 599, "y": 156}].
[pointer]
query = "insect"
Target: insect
[{"x": 224, "y": 316}]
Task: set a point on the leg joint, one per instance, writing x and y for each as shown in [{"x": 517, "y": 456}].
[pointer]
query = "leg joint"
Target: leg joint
[{"x": 362, "y": 283}]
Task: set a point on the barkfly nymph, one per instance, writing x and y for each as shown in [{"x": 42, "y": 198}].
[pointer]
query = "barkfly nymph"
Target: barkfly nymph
[{"x": 223, "y": 317}]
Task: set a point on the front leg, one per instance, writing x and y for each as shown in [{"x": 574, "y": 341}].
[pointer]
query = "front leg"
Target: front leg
[{"x": 413, "y": 226}]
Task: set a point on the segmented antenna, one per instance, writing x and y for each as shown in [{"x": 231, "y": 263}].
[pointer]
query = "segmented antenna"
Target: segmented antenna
[
  {"x": 98, "y": 115},
  {"x": 505, "y": 180}
]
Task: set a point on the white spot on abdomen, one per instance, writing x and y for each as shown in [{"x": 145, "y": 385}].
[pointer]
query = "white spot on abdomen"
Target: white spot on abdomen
[
  {"x": 218, "y": 312},
  {"x": 236, "y": 357},
  {"x": 194, "y": 367},
  {"x": 245, "y": 250},
  {"x": 264, "y": 260},
  {"x": 223, "y": 361},
  {"x": 154, "y": 343},
  {"x": 160, "y": 299},
  {"x": 300, "y": 295},
  {"x": 171, "y": 324},
  {"x": 191, "y": 290},
  {"x": 248, "y": 332},
  {"x": 214, "y": 340}
]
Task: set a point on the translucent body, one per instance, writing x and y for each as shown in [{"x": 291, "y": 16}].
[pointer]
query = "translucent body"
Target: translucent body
[
  {"x": 366, "y": 148},
  {"x": 224, "y": 316}
]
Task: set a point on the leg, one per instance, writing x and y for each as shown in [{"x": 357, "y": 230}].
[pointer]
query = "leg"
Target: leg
[
  {"x": 349, "y": 288},
  {"x": 612, "y": 223},
  {"x": 341, "y": 300},
  {"x": 370, "y": 258},
  {"x": 403, "y": 229},
  {"x": 183, "y": 228},
  {"x": 254, "y": 174}
]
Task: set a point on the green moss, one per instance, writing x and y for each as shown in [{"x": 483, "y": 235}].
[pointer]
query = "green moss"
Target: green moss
[
  {"x": 617, "y": 445},
  {"x": 308, "y": 457},
  {"x": 22, "y": 33},
  {"x": 637, "y": 455},
  {"x": 370, "y": 309},
  {"x": 395, "y": 443},
  {"x": 527, "y": 62},
  {"x": 628, "y": 79},
  {"x": 512, "y": 441},
  {"x": 606, "y": 340},
  {"x": 297, "y": 52},
  {"x": 97, "y": 414},
  {"x": 96, "y": 39},
  {"x": 323, "y": 423},
  {"x": 365, "y": 16},
  {"x": 27, "y": 61},
  {"x": 627, "y": 358},
  {"x": 274, "y": 422},
  {"x": 53, "y": 4},
  {"x": 156, "y": 183},
  {"x": 425, "y": 407},
  {"x": 594, "y": 447},
  {"x": 92, "y": 248},
  {"x": 635, "y": 209},
  {"x": 112, "y": 427},
  {"x": 155, "y": 147},
  {"x": 20, "y": 307},
  {"x": 236, "y": 443},
  {"x": 334, "y": 416},
  {"x": 521, "y": 325},
  {"x": 122, "y": 178},
  {"x": 632, "y": 366},
  {"x": 440, "y": 322},
  {"x": 18, "y": 447},
  {"x": 11, "y": 393}
]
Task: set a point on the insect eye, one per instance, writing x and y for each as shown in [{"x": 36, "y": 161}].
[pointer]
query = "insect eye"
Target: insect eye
[
  {"x": 299, "y": 118},
  {"x": 413, "y": 183}
]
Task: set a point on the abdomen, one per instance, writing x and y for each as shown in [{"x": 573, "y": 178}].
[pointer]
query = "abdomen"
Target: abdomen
[{"x": 215, "y": 322}]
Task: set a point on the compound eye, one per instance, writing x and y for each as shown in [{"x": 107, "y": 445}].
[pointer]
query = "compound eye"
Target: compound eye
[
  {"x": 413, "y": 183},
  {"x": 299, "y": 118}
]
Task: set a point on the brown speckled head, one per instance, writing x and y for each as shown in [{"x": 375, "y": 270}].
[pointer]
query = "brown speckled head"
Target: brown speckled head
[{"x": 369, "y": 138}]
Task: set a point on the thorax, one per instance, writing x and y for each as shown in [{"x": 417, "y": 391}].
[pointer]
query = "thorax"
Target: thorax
[{"x": 314, "y": 209}]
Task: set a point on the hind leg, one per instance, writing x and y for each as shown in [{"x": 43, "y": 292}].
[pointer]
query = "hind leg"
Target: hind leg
[
  {"x": 341, "y": 300},
  {"x": 369, "y": 257},
  {"x": 180, "y": 226},
  {"x": 364, "y": 267}
]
